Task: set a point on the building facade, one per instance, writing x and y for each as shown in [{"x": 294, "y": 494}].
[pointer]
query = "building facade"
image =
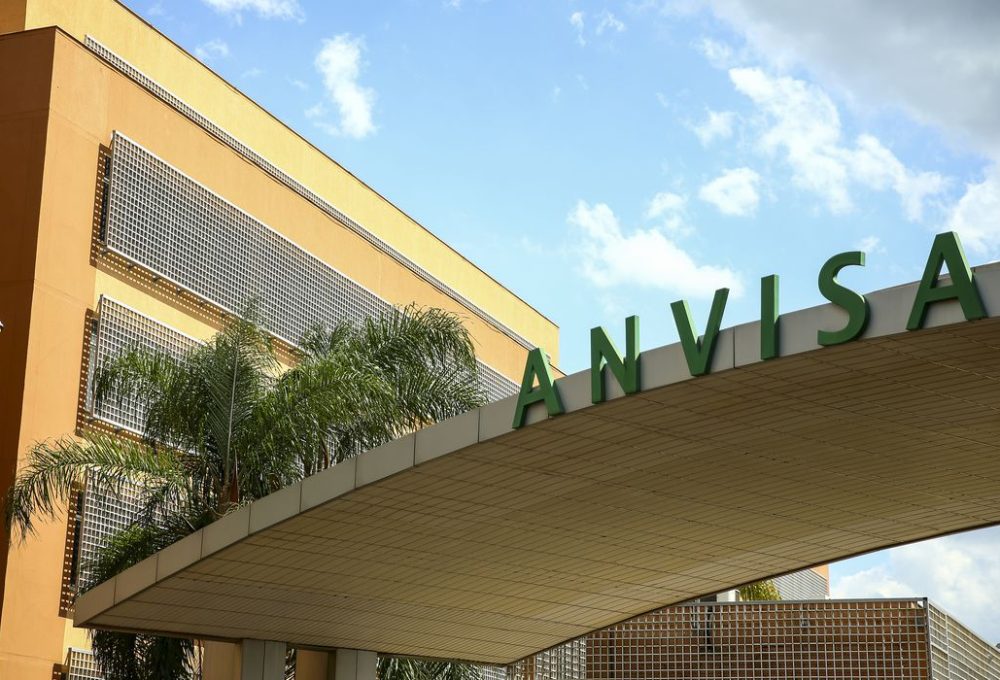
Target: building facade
[
  {"x": 908, "y": 639},
  {"x": 144, "y": 200}
]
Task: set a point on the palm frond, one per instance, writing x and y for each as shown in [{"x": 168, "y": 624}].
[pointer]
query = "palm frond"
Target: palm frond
[
  {"x": 400, "y": 668},
  {"x": 54, "y": 468}
]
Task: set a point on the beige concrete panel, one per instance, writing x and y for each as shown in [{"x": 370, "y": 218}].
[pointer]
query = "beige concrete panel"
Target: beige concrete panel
[
  {"x": 226, "y": 531},
  {"x": 574, "y": 390},
  {"x": 725, "y": 351},
  {"x": 746, "y": 344},
  {"x": 135, "y": 578},
  {"x": 663, "y": 366},
  {"x": 328, "y": 484},
  {"x": 386, "y": 460},
  {"x": 495, "y": 419},
  {"x": 889, "y": 310},
  {"x": 178, "y": 555},
  {"x": 447, "y": 436},
  {"x": 797, "y": 331},
  {"x": 988, "y": 283},
  {"x": 275, "y": 507},
  {"x": 94, "y": 601}
]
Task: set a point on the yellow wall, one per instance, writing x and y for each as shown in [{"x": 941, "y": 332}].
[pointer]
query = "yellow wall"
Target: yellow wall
[{"x": 140, "y": 44}]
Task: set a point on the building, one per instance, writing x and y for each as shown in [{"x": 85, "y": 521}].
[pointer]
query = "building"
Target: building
[
  {"x": 143, "y": 199},
  {"x": 888, "y": 638}
]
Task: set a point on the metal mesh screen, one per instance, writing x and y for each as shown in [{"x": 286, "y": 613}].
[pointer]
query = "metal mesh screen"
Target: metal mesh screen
[
  {"x": 802, "y": 585},
  {"x": 959, "y": 654},
  {"x": 138, "y": 76},
  {"x": 169, "y": 224},
  {"x": 81, "y": 665}
]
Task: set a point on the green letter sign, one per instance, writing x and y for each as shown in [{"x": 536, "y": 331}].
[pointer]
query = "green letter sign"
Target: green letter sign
[
  {"x": 537, "y": 366},
  {"x": 603, "y": 352},
  {"x": 854, "y": 303},
  {"x": 947, "y": 249},
  {"x": 699, "y": 352}
]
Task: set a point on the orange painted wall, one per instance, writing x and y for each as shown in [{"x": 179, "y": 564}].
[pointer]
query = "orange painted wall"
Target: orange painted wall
[
  {"x": 63, "y": 105},
  {"x": 42, "y": 302}
]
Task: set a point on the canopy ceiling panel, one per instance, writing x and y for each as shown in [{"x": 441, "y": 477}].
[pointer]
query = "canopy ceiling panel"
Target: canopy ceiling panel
[{"x": 475, "y": 541}]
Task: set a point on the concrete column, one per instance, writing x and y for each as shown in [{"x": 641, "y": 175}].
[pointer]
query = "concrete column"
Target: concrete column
[
  {"x": 353, "y": 664},
  {"x": 262, "y": 660}
]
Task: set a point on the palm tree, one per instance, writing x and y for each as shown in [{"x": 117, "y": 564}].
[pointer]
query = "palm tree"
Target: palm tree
[
  {"x": 225, "y": 425},
  {"x": 761, "y": 590}
]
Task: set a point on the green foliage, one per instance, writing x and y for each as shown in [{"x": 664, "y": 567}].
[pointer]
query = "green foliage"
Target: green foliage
[
  {"x": 225, "y": 426},
  {"x": 398, "y": 668},
  {"x": 760, "y": 591}
]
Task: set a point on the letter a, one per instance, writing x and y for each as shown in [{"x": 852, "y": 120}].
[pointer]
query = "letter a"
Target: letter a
[{"x": 537, "y": 367}]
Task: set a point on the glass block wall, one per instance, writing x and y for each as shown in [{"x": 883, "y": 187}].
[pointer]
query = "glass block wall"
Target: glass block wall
[
  {"x": 80, "y": 665},
  {"x": 892, "y": 638},
  {"x": 802, "y": 585},
  {"x": 957, "y": 653},
  {"x": 173, "y": 227}
]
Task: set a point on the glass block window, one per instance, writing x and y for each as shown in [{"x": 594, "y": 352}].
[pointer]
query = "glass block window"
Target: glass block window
[
  {"x": 957, "y": 653},
  {"x": 802, "y": 585},
  {"x": 172, "y": 226},
  {"x": 102, "y": 516},
  {"x": 748, "y": 641},
  {"x": 81, "y": 665},
  {"x": 119, "y": 328}
]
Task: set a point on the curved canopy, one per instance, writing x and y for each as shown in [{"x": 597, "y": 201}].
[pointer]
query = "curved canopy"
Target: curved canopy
[{"x": 474, "y": 541}]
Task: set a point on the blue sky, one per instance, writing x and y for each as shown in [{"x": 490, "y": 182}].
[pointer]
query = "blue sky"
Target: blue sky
[{"x": 607, "y": 158}]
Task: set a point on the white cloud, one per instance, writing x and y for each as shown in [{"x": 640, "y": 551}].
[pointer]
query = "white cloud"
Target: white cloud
[
  {"x": 976, "y": 215},
  {"x": 937, "y": 60},
  {"x": 265, "y": 9},
  {"x": 576, "y": 21},
  {"x": 339, "y": 63},
  {"x": 802, "y": 123},
  {"x": 717, "y": 125},
  {"x": 212, "y": 49},
  {"x": 643, "y": 257},
  {"x": 734, "y": 192},
  {"x": 719, "y": 54},
  {"x": 668, "y": 208},
  {"x": 253, "y": 72},
  {"x": 609, "y": 22},
  {"x": 298, "y": 84},
  {"x": 870, "y": 244},
  {"x": 664, "y": 203},
  {"x": 960, "y": 573}
]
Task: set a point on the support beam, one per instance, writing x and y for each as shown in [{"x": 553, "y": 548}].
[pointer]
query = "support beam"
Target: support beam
[{"x": 263, "y": 660}]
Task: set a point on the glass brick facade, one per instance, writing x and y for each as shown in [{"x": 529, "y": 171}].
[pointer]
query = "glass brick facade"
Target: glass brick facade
[{"x": 892, "y": 638}]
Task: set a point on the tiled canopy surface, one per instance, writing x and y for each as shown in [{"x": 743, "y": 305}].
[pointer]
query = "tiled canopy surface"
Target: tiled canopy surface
[{"x": 470, "y": 540}]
